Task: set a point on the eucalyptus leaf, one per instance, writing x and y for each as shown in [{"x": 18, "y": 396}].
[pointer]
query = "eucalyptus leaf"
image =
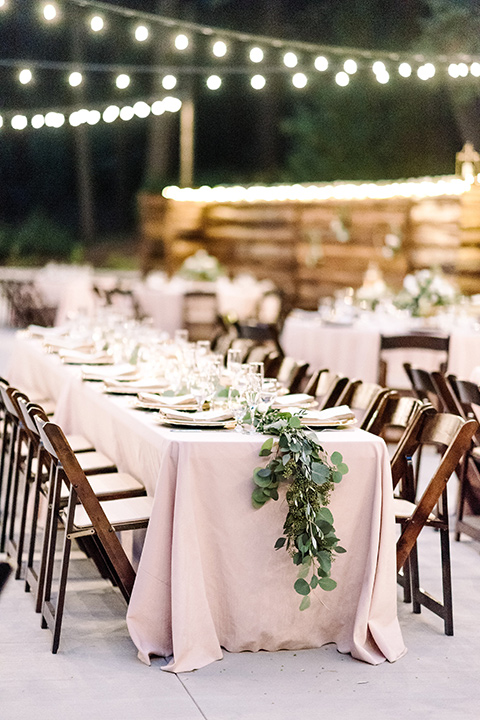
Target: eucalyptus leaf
[
  {"x": 305, "y": 604},
  {"x": 325, "y": 514},
  {"x": 326, "y": 584},
  {"x": 259, "y": 496},
  {"x": 280, "y": 543},
  {"x": 303, "y": 571},
  {"x": 266, "y": 448},
  {"x": 336, "y": 457},
  {"x": 342, "y": 468},
  {"x": 301, "y": 586},
  {"x": 340, "y": 550}
]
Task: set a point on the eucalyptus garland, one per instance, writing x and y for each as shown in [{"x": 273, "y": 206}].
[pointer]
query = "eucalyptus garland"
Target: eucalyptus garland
[{"x": 297, "y": 457}]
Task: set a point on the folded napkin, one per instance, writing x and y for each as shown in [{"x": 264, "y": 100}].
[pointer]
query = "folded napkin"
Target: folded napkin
[
  {"x": 39, "y": 331},
  {"x": 292, "y": 399},
  {"x": 133, "y": 387},
  {"x": 112, "y": 372},
  {"x": 76, "y": 357},
  {"x": 203, "y": 417},
  {"x": 68, "y": 343},
  {"x": 167, "y": 401},
  {"x": 329, "y": 416}
]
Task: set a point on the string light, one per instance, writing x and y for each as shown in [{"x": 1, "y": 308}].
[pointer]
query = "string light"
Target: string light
[
  {"x": 299, "y": 80},
  {"x": 3, "y": 6},
  {"x": 75, "y": 79},
  {"x": 54, "y": 119},
  {"x": 321, "y": 63},
  {"x": 290, "y": 60},
  {"x": 405, "y": 69},
  {"x": 426, "y": 71},
  {"x": 214, "y": 82},
  {"x": 50, "y": 12},
  {"x": 258, "y": 82},
  {"x": 97, "y": 23},
  {"x": 350, "y": 66},
  {"x": 256, "y": 54},
  {"x": 37, "y": 121},
  {"x": 126, "y": 113},
  {"x": 25, "y": 76},
  {"x": 122, "y": 81},
  {"x": 475, "y": 69},
  {"x": 141, "y": 33},
  {"x": 342, "y": 78},
  {"x": 141, "y": 109},
  {"x": 111, "y": 113},
  {"x": 19, "y": 122},
  {"x": 219, "y": 48},
  {"x": 449, "y": 186},
  {"x": 169, "y": 82},
  {"x": 158, "y": 108},
  {"x": 181, "y": 42}
]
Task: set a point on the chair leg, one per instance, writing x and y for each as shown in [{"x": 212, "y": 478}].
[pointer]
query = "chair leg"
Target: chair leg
[
  {"x": 31, "y": 576},
  {"x": 44, "y": 588},
  {"x": 446, "y": 581},
  {"x": 8, "y": 486},
  {"x": 24, "y": 511},
  {"x": 461, "y": 493},
  {"x": 415, "y": 578}
]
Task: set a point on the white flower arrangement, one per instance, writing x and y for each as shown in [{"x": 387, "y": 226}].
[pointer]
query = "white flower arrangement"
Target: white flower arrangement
[
  {"x": 201, "y": 266},
  {"x": 425, "y": 290}
]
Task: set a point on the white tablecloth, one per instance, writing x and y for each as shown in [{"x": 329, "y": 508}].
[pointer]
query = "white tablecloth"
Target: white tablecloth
[
  {"x": 354, "y": 349},
  {"x": 209, "y": 577}
]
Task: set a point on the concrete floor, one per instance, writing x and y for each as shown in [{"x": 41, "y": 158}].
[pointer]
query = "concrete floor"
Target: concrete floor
[{"x": 96, "y": 673}]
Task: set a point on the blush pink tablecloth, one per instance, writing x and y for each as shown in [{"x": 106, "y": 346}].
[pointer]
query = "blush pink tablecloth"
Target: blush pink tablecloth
[{"x": 209, "y": 577}]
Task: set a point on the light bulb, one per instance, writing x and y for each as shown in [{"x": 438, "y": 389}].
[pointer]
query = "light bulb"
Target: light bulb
[
  {"x": 172, "y": 104},
  {"x": 111, "y": 113},
  {"x": 378, "y": 67},
  {"x": 50, "y": 11},
  {"x": 290, "y": 59},
  {"x": 37, "y": 121},
  {"x": 405, "y": 69},
  {"x": 342, "y": 78},
  {"x": 158, "y": 108},
  {"x": 19, "y": 122},
  {"x": 75, "y": 79},
  {"x": 214, "y": 82},
  {"x": 350, "y": 67},
  {"x": 141, "y": 33},
  {"x": 25, "y": 76},
  {"x": 126, "y": 113},
  {"x": 97, "y": 23},
  {"x": 321, "y": 63},
  {"x": 122, "y": 81},
  {"x": 256, "y": 54},
  {"x": 299, "y": 80},
  {"x": 181, "y": 42},
  {"x": 169, "y": 82},
  {"x": 219, "y": 48},
  {"x": 258, "y": 82},
  {"x": 141, "y": 109}
]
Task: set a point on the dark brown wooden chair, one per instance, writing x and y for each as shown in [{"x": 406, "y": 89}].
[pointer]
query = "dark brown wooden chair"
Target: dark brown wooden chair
[
  {"x": 467, "y": 396},
  {"x": 452, "y": 434},
  {"x": 364, "y": 399},
  {"x": 84, "y": 515},
  {"x": 313, "y": 384},
  {"x": 107, "y": 483},
  {"x": 422, "y": 341},
  {"x": 200, "y": 315},
  {"x": 291, "y": 373}
]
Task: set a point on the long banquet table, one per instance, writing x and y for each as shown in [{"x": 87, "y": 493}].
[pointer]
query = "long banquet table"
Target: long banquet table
[
  {"x": 354, "y": 349},
  {"x": 209, "y": 577}
]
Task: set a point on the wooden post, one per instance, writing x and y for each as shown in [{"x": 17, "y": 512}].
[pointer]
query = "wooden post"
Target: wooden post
[{"x": 187, "y": 140}]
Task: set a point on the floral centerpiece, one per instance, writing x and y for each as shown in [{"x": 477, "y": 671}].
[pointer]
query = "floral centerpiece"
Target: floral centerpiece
[
  {"x": 201, "y": 266},
  {"x": 425, "y": 290},
  {"x": 374, "y": 289}
]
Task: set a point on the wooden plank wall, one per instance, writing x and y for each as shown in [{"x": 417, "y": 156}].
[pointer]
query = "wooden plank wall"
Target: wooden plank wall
[{"x": 311, "y": 249}]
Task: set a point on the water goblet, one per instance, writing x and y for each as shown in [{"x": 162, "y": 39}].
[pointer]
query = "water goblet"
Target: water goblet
[
  {"x": 266, "y": 395},
  {"x": 234, "y": 361},
  {"x": 257, "y": 368}
]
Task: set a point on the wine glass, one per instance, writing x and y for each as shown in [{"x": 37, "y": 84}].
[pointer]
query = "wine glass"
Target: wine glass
[
  {"x": 201, "y": 387},
  {"x": 266, "y": 395},
  {"x": 234, "y": 361},
  {"x": 252, "y": 390},
  {"x": 257, "y": 368}
]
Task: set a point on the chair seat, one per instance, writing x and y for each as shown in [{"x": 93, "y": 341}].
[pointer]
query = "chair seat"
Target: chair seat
[
  {"x": 404, "y": 509},
  {"x": 80, "y": 444},
  {"x": 108, "y": 483},
  {"x": 94, "y": 461},
  {"x": 118, "y": 512}
]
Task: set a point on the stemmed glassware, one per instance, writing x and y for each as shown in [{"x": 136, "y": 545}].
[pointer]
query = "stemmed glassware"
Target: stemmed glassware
[{"x": 267, "y": 394}]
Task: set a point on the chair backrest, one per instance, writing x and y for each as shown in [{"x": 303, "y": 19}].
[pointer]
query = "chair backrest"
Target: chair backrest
[
  {"x": 394, "y": 412},
  {"x": 467, "y": 394},
  {"x": 200, "y": 314},
  {"x": 70, "y": 472},
  {"x": 258, "y": 353},
  {"x": 446, "y": 393},
  {"x": 437, "y": 342},
  {"x": 313, "y": 384},
  {"x": 453, "y": 434},
  {"x": 125, "y": 301},
  {"x": 244, "y": 345},
  {"x": 292, "y": 373},
  {"x": 331, "y": 391},
  {"x": 364, "y": 399}
]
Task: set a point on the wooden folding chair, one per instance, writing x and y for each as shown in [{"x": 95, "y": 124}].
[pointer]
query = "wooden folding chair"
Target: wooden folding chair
[
  {"x": 313, "y": 383},
  {"x": 453, "y": 434},
  {"x": 291, "y": 373},
  {"x": 438, "y": 343},
  {"x": 330, "y": 388},
  {"x": 364, "y": 399},
  {"x": 466, "y": 395},
  {"x": 84, "y": 516},
  {"x": 107, "y": 483}
]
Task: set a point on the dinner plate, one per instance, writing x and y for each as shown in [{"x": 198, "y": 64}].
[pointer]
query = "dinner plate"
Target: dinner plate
[
  {"x": 195, "y": 425},
  {"x": 144, "y": 405},
  {"x": 330, "y": 424}
]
